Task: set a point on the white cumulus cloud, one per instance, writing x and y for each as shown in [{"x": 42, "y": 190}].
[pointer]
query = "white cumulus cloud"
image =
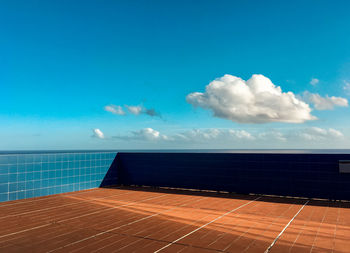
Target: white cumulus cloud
[
  {"x": 115, "y": 109},
  {"x": 257, "y": 100},
  {"x": 314, "y": 81},
  {"x": 325, "y": 103},
  {"x": 97, "y": 133}
]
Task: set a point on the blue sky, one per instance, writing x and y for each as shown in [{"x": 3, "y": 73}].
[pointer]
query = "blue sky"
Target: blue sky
[{"x": 63, "y": 62}]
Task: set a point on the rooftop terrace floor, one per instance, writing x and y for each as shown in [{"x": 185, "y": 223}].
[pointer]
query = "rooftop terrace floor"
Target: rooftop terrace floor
[{"x": 149, "y": 220}]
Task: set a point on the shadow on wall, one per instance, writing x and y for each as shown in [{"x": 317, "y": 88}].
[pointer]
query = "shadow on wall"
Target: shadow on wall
[{"x": 111, "y": 177}]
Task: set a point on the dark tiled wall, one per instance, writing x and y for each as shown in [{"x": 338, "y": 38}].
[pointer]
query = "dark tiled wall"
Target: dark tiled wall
[
  {"x": 39, "y": 174},
  {"x": 307, "y": 175}
]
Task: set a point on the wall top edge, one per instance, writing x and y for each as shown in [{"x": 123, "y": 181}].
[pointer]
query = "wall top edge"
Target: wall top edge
[
  {"x": 194, "y": 151},
  {"x": 12, "y": 152}
]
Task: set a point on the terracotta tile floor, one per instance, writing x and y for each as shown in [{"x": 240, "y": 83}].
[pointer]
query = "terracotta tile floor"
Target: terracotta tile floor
[{"x": 149, "y": 220}]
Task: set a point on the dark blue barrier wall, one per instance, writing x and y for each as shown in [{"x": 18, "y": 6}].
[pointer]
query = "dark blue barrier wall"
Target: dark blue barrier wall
[
  {"x": 32, "y": 174},
  {"x": 307, "y": 175}
]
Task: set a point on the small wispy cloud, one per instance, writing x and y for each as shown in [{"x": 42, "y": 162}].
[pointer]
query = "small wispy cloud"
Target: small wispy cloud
[
  {"x": 318, "y": 134},
  {"x": 146, "y": 134},
  {"x": 152, "y": 112},
  {"x": 324, "y": 103},
  {"x": 272, "y": 135},
  {"x": 136, "y": 110},
  {"x": 132, "y": 109},
  {"x": 97, "y": 133},
  {"x": 346, "y": 87},
  {"x": 115, "y": 109},
  {"x": 213, "y": 134},
  {"x": 314, "y": 81}
]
